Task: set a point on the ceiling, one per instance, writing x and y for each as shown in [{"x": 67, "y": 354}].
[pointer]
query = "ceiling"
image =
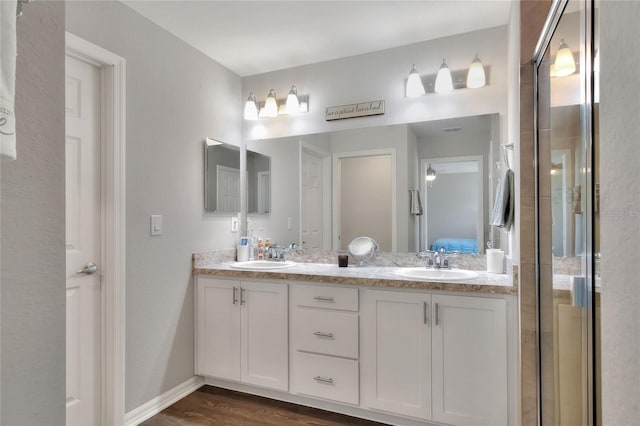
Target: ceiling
[{"x": 254, "y": 37}]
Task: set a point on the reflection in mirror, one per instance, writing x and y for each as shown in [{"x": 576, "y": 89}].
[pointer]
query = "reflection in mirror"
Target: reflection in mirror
[
  {"x": 455, "y": 204},
  {"x": 259, "y": 183},
  {"x": 222, "y": 179},
  {"x": 309, "y": 174}
]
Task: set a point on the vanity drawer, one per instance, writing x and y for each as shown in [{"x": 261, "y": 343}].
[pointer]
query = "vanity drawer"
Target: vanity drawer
[
  {"x": 326, "y": 332},
  {"x": 319, "y": 296},
  {"x": 326, "y": 377}
]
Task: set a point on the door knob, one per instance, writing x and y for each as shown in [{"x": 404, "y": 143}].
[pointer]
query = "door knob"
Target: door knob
[{"x": 88, "y": 269}]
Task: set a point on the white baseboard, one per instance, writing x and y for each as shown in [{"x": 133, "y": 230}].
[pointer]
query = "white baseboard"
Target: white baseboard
[{"x": 159, "y": 403}]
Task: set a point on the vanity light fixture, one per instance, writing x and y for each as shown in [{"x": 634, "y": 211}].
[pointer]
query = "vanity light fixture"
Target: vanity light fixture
[
  {"x": 270, "y": 105},
  {"x": 475, "y": 77},
  {"x": 430, "y": 176},
  {"x": 293, "y": 103},
  {"x": 273, "y": 107},
  {"x": 565, "y": 64},
  {"x": 251, "y": 108},
  {"x": 414, "y": 84},
  {"x": 444, "y": 83}
]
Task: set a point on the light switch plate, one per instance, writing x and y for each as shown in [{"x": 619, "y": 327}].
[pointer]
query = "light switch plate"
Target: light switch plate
[
  {"x": 289, "y": 223},
  {"x": 235, "y": 224},
  {"x": 156, "y": 224}
]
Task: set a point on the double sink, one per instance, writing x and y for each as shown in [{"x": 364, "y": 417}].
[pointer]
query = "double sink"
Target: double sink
[{"x": 419, "y": 273}]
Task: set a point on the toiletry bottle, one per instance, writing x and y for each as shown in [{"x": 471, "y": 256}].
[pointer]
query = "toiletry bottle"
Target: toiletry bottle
[
  {"x": 260, "y": 249},
  {"x": 267, "y": 244}
]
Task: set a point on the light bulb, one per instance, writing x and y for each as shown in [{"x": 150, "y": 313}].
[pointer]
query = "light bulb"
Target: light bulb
[
  {"x": 270, "y": 105},
  {"x": 430, "y": 175},
  {"x": 444, "y": 83},
  {"x": 564, "y": 64},
  {"x": 250, "y": 108},
  {"x": 414, "y": 84},
  {"x": 293, "y": 103},
  {"x": 475, "y": 76}
]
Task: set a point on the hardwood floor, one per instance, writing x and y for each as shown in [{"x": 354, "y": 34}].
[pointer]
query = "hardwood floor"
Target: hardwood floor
[{"x": 215, "y": 406}]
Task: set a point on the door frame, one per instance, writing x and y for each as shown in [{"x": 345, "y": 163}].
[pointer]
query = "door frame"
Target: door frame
[
  {"x": 424, "y": 163},
  {"x": 337, "y": 193},
  {"x": 112, "y": 150}
]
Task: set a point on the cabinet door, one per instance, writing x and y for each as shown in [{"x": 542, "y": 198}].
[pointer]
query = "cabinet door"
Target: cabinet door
[
  {"x": 469, "y": 340},
  {"x": 396, "y": 352},
  {"x": 265, "y": 336},
  {"x": 218, "y": 328}
]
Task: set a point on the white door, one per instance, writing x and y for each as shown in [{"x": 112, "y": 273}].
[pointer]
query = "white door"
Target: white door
[
  {"x": 265, "y": 334},
  {"x": 82, "y": 167},
  {"x": 218, "y": 328},
  {"x": 469, "y": 360},
  {"x": 396, "y": 352},
  {"x": 311, "y": 227},
  {"x": 228, "y": 189}
]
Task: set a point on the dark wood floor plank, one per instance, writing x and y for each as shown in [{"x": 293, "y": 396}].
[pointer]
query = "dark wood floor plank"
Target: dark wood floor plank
[{"x": 215, "y": 406}]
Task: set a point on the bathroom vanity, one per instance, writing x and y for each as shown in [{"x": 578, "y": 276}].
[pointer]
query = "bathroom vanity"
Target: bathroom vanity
[{"x": 363, "y": 341}]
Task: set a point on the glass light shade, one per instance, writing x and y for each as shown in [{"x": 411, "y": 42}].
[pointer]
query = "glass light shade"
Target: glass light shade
[
  {"x": 564, "y": 64},
  {"x": 293, "y": 103},
  {"x": 444, "y": 83},
  {"x": 250, "y": 108},
  {"x": 414, "y": 84},
  {"x": 270, "y": 105},
  {"x": 475, "y": 76},
  {"x": 431, "y": 174}
]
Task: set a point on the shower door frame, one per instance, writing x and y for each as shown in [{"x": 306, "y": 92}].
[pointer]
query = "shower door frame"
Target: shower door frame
[{"x": 587, "y": 146}]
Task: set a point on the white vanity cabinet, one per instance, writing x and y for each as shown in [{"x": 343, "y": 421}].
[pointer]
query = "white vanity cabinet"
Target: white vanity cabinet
[
  {"x": 242, "y": 331},
  {"x": 325, "y": 342},
  {"x": 469, "y": 360},
  {"x": 435, "y": 357},
  {"x": 396, "y": 346}
]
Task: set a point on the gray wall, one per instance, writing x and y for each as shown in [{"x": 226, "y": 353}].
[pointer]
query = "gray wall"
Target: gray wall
[
  {"x": 620, "y": 211},
  {"x": 452, "y": 207},
  {"x": 33, "y": 229},
  {"x": 176, "y": 97}
]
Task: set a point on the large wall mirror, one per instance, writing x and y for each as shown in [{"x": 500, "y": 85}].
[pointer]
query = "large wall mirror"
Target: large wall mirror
[
  {"x": 329, "y": 188},
  {"x": 222, "y": 189}
]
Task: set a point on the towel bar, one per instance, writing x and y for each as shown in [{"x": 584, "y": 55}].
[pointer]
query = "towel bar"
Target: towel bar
[{"x": 19, "y": 8}]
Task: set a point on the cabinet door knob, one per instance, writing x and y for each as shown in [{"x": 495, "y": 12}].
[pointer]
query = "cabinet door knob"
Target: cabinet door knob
[
  {"x": 437, "y": 316},
  {"x": 323, "y": 379},
  {"x": 323, "y": 298},
  {"x": 323, "y": 334},
  {"x": 242, "y": 300},
  {"x": 235, "y": 295}
]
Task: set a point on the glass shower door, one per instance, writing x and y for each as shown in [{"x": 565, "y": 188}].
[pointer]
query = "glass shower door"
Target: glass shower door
[{"x": 567, "y": 216}]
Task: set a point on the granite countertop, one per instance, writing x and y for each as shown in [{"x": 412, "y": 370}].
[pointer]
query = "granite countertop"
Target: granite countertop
[{"x": 374, "y": 276}]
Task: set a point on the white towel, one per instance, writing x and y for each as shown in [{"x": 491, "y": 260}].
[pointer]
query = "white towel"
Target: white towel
[
  {"x": 504, "y": 206},
  {"x": 8, "y": 50},
  {"x": 415, "y": 202}
]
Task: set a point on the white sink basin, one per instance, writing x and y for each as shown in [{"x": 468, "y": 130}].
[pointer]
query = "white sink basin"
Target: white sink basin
[
  {"x": 262, "y": 265},
  {"x": 437, "y": 274}
]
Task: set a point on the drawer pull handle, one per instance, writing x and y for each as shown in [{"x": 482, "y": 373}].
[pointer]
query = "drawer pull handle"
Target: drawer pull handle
[
  {"x": 322, "y": 334},
  {"x": 323, "y": 298},
  {"x": 323, "y": 379}
]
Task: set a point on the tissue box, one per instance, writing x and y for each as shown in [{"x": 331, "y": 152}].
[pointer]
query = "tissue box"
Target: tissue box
[{"x": 495, "y": 261}]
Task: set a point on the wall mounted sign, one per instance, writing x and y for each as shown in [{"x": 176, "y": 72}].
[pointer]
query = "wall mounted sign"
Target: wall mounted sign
[{"x": 363, "y": 109}]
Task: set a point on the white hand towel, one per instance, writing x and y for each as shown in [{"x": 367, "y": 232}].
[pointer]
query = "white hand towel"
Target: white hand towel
[{"x": 8, "y": 49}]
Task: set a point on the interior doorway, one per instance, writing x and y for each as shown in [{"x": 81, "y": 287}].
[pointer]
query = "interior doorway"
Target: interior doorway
[
  {"x": 365, "y": 198},
  {"x": 109, "y": 257}
]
